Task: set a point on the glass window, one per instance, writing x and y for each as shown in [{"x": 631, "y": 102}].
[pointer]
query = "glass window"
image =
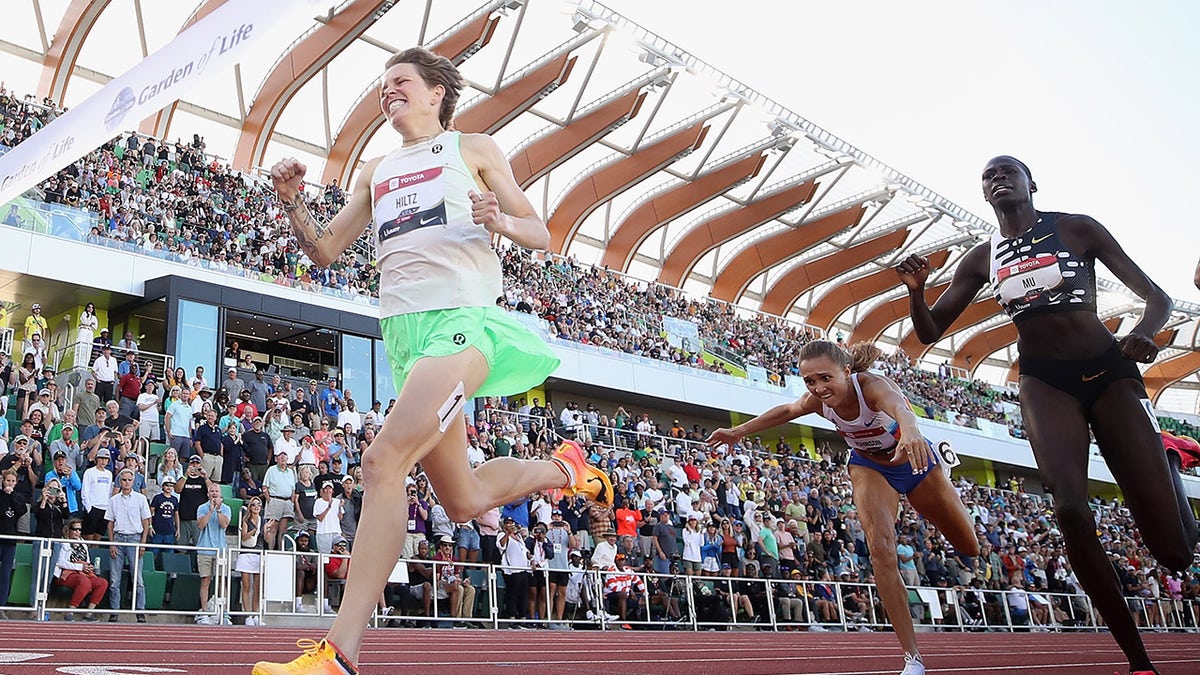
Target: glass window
[
  {"x": 356, "y": 370},
  {"x": 385, "y": 386},
  {"x": 196, "y": 339}
]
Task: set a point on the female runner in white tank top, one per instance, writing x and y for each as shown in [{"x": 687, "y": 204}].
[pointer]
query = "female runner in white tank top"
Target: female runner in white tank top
[
  {"x": 434, "y": 205},
  {"x": 889, "y": 457}
]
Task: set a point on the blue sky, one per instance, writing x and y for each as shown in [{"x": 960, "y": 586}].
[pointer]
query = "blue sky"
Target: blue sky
[{"x": 1097, "y": 97}]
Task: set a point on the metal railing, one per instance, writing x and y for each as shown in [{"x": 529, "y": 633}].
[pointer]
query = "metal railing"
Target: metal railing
[
  {"x": 420, "y": 592},
  {"x": 163, "y": 363}
]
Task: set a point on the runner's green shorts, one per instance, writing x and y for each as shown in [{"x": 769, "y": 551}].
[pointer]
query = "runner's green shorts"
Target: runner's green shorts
[{"x": 519, "y": 359}]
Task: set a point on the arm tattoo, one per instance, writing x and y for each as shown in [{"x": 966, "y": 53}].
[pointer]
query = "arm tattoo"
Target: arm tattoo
[{"x": 302, "y": 220}]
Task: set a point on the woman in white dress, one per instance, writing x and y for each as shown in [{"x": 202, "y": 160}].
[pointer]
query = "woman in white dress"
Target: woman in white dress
[
  {"x": 89, "y": 323},
  {"x": 249, "y": 559}
]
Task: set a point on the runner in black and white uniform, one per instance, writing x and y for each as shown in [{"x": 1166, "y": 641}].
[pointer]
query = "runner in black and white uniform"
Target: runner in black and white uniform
[{"x": 1076, "y": 378}]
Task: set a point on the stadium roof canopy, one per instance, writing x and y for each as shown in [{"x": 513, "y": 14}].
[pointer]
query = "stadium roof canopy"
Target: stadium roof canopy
[{"x": 639, "y": 156}]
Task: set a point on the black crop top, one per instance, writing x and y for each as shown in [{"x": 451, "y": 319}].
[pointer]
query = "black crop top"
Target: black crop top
[{"x": 1036, "y": 274}]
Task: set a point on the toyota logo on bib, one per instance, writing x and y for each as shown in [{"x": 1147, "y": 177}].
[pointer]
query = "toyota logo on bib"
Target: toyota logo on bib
[{"x": 460, "y": 339}]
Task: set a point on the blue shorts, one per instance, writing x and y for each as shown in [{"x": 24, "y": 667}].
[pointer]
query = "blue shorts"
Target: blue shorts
[
  {"x": 901, "y": 476},
  {"x": 468, "y": 539}
]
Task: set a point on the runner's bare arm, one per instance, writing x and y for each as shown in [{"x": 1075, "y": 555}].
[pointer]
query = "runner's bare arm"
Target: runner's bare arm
[
  {"x": 1139, "y": 344},
  {"x": 323, "y": 242},
  {"x": 780, "y": 414},
  {"x": 503, "y": 207},
  {"x": 930, "y": 323}
]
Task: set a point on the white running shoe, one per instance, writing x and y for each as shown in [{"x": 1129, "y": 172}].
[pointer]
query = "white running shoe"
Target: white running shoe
[
  {"x": 913, "y": 665},
  {"x": 817, "y": 628},
  {"x": 204, "y": 620},
  {"x": 329, "y": 608},
  {"x": 250, "y": 621}
]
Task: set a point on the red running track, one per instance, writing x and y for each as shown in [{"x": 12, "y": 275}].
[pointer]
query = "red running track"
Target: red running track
[{"x": 31, "y": 648}]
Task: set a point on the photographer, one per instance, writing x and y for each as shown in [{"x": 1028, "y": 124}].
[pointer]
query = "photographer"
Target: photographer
[
  {"x": 21, "y": 462},
  {"x": 12, "y": 508}
]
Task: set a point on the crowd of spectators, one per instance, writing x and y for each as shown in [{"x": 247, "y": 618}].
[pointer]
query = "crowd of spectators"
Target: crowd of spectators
[
  {"x": 752, "y": 512},
  {"x": 174, "y": 200}
]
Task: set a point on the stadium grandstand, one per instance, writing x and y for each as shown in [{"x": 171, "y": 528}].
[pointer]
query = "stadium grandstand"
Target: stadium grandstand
[{"x": 701, "y": 234}]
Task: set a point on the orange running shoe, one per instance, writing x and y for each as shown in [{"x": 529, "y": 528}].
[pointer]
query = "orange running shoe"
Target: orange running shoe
[
  {"x": 319, "y": 658},
  {"x": 582, "y": 478}
]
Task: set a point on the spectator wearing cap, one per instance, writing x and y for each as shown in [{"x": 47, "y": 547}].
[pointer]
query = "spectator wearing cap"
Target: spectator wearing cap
[
  {"x": 206, "y": 442},
  {"x": 287, "y": 444},
  {"x": 94, "y": 494},
  {"x": 664, "y": 544},
  {"x": 279, "y": 485},
  {"x": 128, "y": 364},
  {"x": 374, "y": 416},
  {"x": 22, "y": 464},
  {"x": 259, "y": 449},
  {"x": 192, "y": 489},
  {"x": 335, "y": 444},
  {"x": 99, "y": 343},
  {"x": 604, "y": 554},
  {"x": 86, "y": 403},
  {"x": 233, "y": 384},
  {"x": 331, "y": 401},
  {"x": 45, "y": 403},
  {"x": 65, "y": 473},
  {"x": 453, "y": 585},
  {"x": 327, "y": 511},
  {"x": 104, "y": 369},
  {"x": 560, "y": 537},
  {"x": 200, "y": 397},
  {"x": 164, "y": 517},
  {"x": 67, "y": 445},
  {"x": 244, "y": 409},
  {"x": 36, "y": 324}
]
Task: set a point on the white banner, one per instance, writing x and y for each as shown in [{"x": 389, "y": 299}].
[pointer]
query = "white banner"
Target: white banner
[{"x": 207, "y": 49}]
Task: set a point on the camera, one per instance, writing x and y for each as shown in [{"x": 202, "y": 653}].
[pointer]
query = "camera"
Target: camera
[{"x": 54, "y": 492}]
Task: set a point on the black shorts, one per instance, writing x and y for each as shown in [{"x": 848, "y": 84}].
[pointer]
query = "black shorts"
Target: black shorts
[
  {"x": 560, "y": 578},
  {"x": 94, "y": 522},
  {"x": 538, "y": 580},
  {"x": 1085, "y": 379}
]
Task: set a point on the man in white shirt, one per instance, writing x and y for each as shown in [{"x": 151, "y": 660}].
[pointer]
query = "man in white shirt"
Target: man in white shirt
[
  {"x": 514, "y": 560},
  {"x": 604, "y": 556},
  {"x": 104, "y": 369},
  {"x": 374, "y": 416},
  {"x": 279, "y": 486},
  {"x": 475, "y": 454},
  {"x": 677, "y": 475},
  {"x": 654, "y": 496},
  {"x": 287, "y": 444},
  {"x": 128, "y": 519},
  {"x": 97, "y": 486}
]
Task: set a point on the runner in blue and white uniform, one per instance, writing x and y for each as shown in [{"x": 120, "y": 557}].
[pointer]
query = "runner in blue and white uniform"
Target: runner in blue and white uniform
[{"x": 889, "y": 457}]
